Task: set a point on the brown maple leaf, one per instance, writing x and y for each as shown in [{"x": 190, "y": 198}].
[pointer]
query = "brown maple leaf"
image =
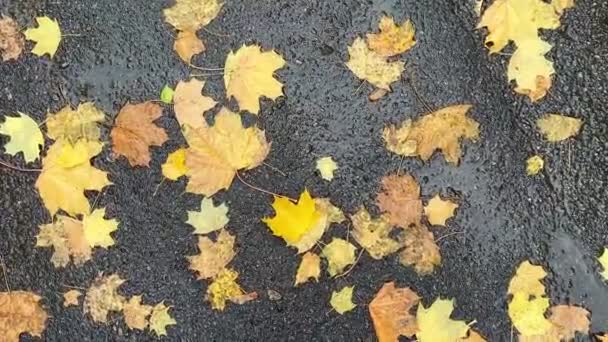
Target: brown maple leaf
[
  {"x": 71, "y": 298},
  {"x": 103, "y": 297},
  {"x": 66, "y": 236},
  {"x": 11, "y": 40},
  {"x": 420, "y": 250},
  {"x": 134, "y": 132},
  {"x": 213, "y": 256},
  {"x": 400, "y": 199},
  {"x": 567, "y": 320},
  {"x": 136, "y": 314},
  {"x": 390, "y": 311},
  {"x": 20, "y": 312},
  {"x": 187, "y": 45}
]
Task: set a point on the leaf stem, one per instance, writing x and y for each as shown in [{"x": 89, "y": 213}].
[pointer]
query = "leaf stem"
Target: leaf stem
[
  {"x": 262, "y": 190},
  {"x": 16, "y": 168}
]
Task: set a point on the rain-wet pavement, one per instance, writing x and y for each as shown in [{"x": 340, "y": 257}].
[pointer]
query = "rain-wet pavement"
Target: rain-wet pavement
[{"x": 119, "y": 51}]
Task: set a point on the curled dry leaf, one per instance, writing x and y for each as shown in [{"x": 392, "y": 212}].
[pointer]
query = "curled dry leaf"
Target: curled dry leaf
[
  {"x": 71, "y": 298},
  {"x": 339, "y": 254},
  {"x": 223, "y": 288},
  {"x": 310, "y": 267},
  {"x": 400, "y": 200},
  {"x": 373, "y": 234},
  {"x": 556, "y": 127},
  {"x": 248, "y": 75},
  {"x": 390, "y": 312},
  {"x": 441, "y": 130},
  {"x": 134, "y": 132},
  {"x": 438, "y": 211},
  {"x": 103, "y": 297},
  {"x": 11, "y": 40},
  {"x": 187, "y": 44},
  {"x": 421, "y": 250},
  {"x": 21, "y": 312},
  {"x": 189, "y": 103},
  {"x": 216, "y": 153},
  {"x": 160, "y": 319},
  {"x": 372, "y": 67},
  {"x": 213, "y": 256},
  {"x": 392, "y": 39}
]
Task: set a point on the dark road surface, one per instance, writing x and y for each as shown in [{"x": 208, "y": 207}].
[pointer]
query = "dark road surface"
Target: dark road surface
[{"x": 122, "y": 52}]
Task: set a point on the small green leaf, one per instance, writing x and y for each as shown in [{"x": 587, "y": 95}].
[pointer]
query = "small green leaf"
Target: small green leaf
[{"x": 166, "y": 95}]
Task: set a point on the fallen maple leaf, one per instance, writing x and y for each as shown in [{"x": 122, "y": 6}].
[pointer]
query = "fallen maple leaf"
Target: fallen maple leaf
[
  {"x": 189, "y": 103},
  {"x": 97, "y": 229},
  {"x": 223, "y": 288},
  {"x": 421, "y": 250},
  {"x": 175, "y": 165},
  {"x": 11, "y": 40},
  {"x": 134, "y": 132},
  {"x": 519, "y": 21},
  {"x": 46, "y": 36},
  {"x": 70, "y": 298},
  {"x": 435, "y": 324},
  {"x": 371, "y": 66},
  {"x": 74, "y": 124},
  {"x": 209, "y": 219},
  {"x": 567, "y": 320},
  {"x": 528, "y": 303},
  {"x": 25, "y": 134},
  {"x": 441, "y": 130},
  {"x": 216, "y": 153},
  {"x": 187, "y": 44},
  {"x": 293, "y": 220},
  {"x": 390, "y": 312},
  {"x": 342, "y": 301},
  {"x": 400, "y": 200},
  {"x": 373, "y": 234},
  {"x": 326, "y": 167},
  {"x": 392, "y": 39},
  {"x": 63, "y": 187},
  {"x": 160, "y": 319},
  {"x": 556, "y": 127},
  {"x": 248, "y": 75},
  {"x": 213, "y": 256},
  {"x": 191, "y": 15},
  {"x": 310, "y": 267},
  {"x": 136, "y": 314},
  {"x": 21, "y": 312},
  {"x": 339, "y": 254},
  {"x": 103, "y": 297},
  {"x": 438, "y": 211},
  {"x": 534, "y": 165},
  {"x": 603, "y": 260}
]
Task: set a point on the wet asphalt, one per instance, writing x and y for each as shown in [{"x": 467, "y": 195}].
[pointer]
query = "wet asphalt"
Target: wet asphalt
[{"x": 121, "y": 51}]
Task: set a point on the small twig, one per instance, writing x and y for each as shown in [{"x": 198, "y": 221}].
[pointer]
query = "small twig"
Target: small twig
[
  {"x": 216, "y": 34},
  {"x": 205, "y": 69},
  {"x": 158, "y": 186},
  {"x": 276, "y": 169},
  {"x": 418, "y": 96},
  {"x": 72, "y": 35},
  {"x": 4, "y": 273},
  {"x": 448, "y": 235},
  {"x": 97, "y": 198},
  {"x": 262, "y": 190},
  {"x": 352, "y": 266},
  {"x": 359, "y": 88},
  {"x": 74, "y": 287},
  {"x": 16, "y": 168},
  {"x": 205, "y": 75}
]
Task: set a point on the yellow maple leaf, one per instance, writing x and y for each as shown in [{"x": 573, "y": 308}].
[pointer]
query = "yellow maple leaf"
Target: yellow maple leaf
[
  {"x": 216, "y": 153},
  {"x": 191, "y": 15},
  {"x": 136, "y": 314},
  {"x": 248, "y": 75},
  {"x": 438, "y": 211},
  {"x": 25, "y": 134},
  {"x": 339, "y": 254},
  {"x": 103, "y": 297},
  {"x": 556, "y": 127},
  {"x": 310, "y": 267},
  {"x": 527, "y": 279},
  {"x": 373, "y": 234},
  {"x": 342, "y": 301},
  {"x": 210, "y": 218},
  {"x": 74, "y": 124},
  {"x": 47, "y": 36},
  {"x": 189, "y": 103},
  {"x": 435, "y": 324},
  {"x": 213, "y": 256},
  {"x": 392, "y": 39},
  {"x": 223, "y": 288},
  {"x": 66, "y": 236},
  {"x": 21, "y": 312},
  {"x": 529, "y": 303},
  {"x": 97, "y": 230},
  {"x": 441, "y": 130},
  {"x": 371, "y": 66},
  {"x": 63, "y": 187},
  {"x": 519, "y": 21},
  {"x": 160, "y": 319},
  {"x": 175, "y": 165},
  {"x": 293, "y": 220},
  {"x": 534, "y": 165},
  {"x": 326, "y": 167},
  {"x": 71, "y": 298},
  {"x": 603, "y": 260}
]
